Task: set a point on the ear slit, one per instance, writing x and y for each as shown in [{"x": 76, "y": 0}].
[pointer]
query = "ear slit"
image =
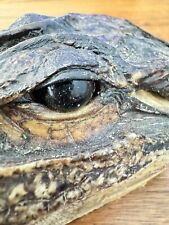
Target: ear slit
[
  {"x": 151, "y": 99},
  {"x": 157, "y": 82}
]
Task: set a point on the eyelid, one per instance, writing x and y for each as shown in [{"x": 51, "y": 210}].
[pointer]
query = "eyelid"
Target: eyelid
[
  {"x": 40, "y": 112},
  {"x": 71, "y": 74}
]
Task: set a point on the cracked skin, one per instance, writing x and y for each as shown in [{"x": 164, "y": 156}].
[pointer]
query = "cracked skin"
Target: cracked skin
[{"x": 55, "y": 166}]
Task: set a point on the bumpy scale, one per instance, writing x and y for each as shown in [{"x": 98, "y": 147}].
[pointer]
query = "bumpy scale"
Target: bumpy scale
[{"x": 56, "y": 166}]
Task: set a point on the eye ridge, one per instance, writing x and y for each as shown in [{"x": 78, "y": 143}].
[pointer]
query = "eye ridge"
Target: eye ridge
[{"x": 66, "y": 96}]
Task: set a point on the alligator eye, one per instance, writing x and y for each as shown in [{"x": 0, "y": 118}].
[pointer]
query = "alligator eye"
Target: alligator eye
[{"x": 65, "y": 96}]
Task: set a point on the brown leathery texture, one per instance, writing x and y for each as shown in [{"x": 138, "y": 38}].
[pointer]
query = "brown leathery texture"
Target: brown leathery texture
[
  {"x": 47, "y": 187},
  {"x": 63, "y": 131},
  {"x": 51, "y": 159}
]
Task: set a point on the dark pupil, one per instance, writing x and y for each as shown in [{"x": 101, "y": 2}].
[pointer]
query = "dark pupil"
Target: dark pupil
[{"x": 65, "y": 96}]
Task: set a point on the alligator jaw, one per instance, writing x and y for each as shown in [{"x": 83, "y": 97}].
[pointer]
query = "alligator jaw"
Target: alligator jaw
[{"x": 104, "y": 196}]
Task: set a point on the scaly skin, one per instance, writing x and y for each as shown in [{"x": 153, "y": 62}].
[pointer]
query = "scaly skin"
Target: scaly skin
[{"x": 56, "y": 167}]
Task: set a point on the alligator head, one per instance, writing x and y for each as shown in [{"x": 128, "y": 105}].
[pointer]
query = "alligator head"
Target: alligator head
[{"x": 83, "y": 117}]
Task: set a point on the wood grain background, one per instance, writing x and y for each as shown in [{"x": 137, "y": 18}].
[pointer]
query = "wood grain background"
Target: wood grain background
[{"x": 149, "y": 205}]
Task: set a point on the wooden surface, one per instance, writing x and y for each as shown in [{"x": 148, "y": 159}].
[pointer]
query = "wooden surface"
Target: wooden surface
[{"x": 148, "y": 205}]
